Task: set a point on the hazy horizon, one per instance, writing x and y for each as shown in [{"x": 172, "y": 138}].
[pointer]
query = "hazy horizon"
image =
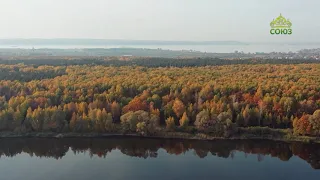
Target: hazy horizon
[
  {"x": 158, "y": 40},
  {"x": 166, "y": 20}
]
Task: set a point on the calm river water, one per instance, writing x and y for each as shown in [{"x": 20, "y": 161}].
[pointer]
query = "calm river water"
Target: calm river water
[{"x": 139, "y": 159}]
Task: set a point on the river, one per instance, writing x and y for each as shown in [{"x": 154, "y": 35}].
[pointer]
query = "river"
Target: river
[{"x": 138, "y": 159}]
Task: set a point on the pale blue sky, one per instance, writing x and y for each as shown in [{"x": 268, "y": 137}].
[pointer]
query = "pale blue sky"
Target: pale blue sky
[{"x": 203, "y": 20}]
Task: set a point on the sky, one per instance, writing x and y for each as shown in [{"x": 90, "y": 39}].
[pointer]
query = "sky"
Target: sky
[{"x": 194, "y": 20}]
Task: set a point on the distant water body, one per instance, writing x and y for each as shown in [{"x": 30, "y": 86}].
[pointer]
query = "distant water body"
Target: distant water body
[{"x": 251, "y": 48}]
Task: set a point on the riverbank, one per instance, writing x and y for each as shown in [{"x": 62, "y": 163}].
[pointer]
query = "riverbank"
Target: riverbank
[{"x": 242, "y": 134}]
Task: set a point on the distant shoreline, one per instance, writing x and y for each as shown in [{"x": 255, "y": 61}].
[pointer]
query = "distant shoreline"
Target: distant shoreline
[
  {"x": 160, "y": 135},
  {"x": 111, "y": 42},
  {"x": 171, "y": 51},
  {"x": 197, "y": 46}
]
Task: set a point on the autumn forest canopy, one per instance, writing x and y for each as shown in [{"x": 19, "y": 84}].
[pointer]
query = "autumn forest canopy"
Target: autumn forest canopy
[{"x": 216, "y": 97}]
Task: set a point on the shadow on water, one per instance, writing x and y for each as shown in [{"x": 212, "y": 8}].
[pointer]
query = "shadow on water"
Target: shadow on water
[{"x": 148, "y": 148}]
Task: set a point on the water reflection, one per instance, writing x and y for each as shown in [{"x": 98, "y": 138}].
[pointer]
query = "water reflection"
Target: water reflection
[{"x": 148, "y": 148}]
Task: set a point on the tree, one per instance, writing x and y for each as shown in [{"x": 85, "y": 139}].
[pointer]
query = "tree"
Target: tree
[
  {"x": 170, "y": 123},
  {"x": 4, "y": 120},
  {"x": 135, "y": 105},
  {"x": 142, "y": 128},
  {"x": 115, "y": 111},
  {"x": 18, "y": 118},
  {"x": 99, "y": 121},
  {"x": 73, "y": 121},
  {"x": 142, "y": 116},
  {"x": 224, "y": 125},
  {"x": 315, "y": 123},
  {"x": 27, "y": 122},
  {"x": 240, "y": 120},
  {"x": 251, "y": 116},
  {"x": 258, "y": 95},
  {"x": 54, "y": 119},
  {"x": 206, "y": 92},
  {"x": 82, "y": 108},
  {"x": 109, "y": 126},
  {"x": 205, "y": 121},
  {"x": 225, "y": 116},
  {"x": 267, "y": 119},
  {"x": 37, "y": 119},
  {"x": 184, "y": 121},
  {"x": 302, "y": 126},
  {"x": 153, "y": 124},
  {"x": 156, "y": 100},
  {"x": 168, "y": 111},
  {"x": 246, "y": 115},
  {"x": 178, "y": 107},
  {"x": 129, "y": 121}
]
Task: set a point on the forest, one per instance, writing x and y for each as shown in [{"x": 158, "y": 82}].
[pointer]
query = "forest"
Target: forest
[
  {"x": 220, "y": 100},
  {"x": 147, "y": 61}
]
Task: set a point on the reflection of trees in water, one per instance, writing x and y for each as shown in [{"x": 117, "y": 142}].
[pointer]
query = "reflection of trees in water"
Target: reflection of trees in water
[
  {"x": 146, "y": 148},
  {"x": 311, "y": 154}
]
